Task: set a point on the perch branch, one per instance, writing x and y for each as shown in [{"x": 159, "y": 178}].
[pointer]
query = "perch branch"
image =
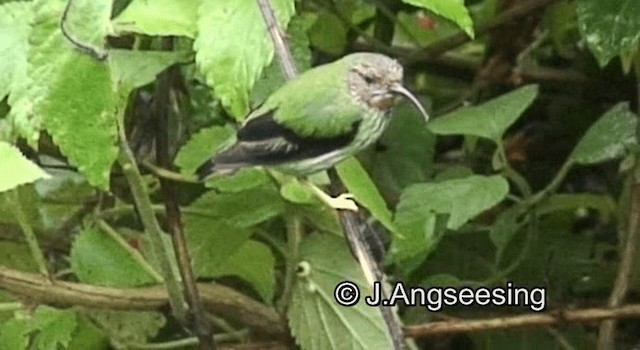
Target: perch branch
[{"x": 216, "y": 298}]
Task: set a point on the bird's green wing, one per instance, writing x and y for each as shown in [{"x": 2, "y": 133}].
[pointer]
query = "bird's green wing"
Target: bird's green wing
[{"x": 316, "y": 104}]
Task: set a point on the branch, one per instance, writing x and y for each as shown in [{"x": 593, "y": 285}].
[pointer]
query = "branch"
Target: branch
[
  {"x": 522, "y": 9},
  {"x": 521, "y": 321},
  {"x": 348, "y": 220},
  {"x": 216, "y": 298},
  {"x": 201, "y": 326}
]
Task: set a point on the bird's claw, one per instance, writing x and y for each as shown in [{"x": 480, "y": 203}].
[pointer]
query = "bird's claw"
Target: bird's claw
[{"x": 343, "y": 202}]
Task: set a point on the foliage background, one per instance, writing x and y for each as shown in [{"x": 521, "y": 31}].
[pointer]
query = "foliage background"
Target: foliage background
[{"x": 528, "y": 173}]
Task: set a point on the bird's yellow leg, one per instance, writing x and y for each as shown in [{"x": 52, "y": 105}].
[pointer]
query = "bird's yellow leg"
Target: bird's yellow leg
[{"x": 342, "y": 202}]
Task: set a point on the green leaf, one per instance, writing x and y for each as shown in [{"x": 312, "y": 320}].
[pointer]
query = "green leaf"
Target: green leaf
[
  {"x": 604, "y": 204},
  {"x": 128, "y": 327},
  {"x": 23, "y": 171},
  {"x": 316, "y": 320},
  {"x": 87, "y": 336},
  {"x": 212, "y": 242},
  {"x": 273, "y": 77},
  {"x": 295, "y": 192},
  {"x": 243, "y": 209},
  {"x": 406, "y": 152},
  {"x": 14, "y": 334},
  {"x": 159, "y": 18},
  {"x": 453, "y": 10},
  {"x": 70, "y": 92},
  {"x": 609, "y": 27},
  {"x": 460, "y": 199},
  {"x": 328, "y": 34},
  {"x": 243, "y": 179},
  {"x": 55, "y": 327},
  {"x": 17, "y": 256},
  {"x": 358, "y": 183},
  {"x": 490, "y": 119},
  {"x": 233, "y": 69},
  {"x": 202, "y": 146},
  {"x": 506, "y": 226},
  {"x": 608, "y": 138},
  {"x": 253, "y": 262},
  {"x": 134, "y": 69},
  {"x": 15, "y": 18},
  {"x": 98, "y": 259}
]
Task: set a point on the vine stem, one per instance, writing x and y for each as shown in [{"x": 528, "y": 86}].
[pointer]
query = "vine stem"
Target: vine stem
[
  {"x": 15, "y": 205},
  {"x": 147, "y": 215}
]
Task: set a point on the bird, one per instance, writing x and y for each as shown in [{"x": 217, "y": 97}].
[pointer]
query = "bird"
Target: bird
[{"x": 318, "y": 119}]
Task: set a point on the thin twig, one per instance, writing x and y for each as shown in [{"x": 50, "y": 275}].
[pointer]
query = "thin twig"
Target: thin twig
[
  {"x": 16, "y": 207},
  {"x": 133, "y": 253},
  {"x": 522, "y": 9},
  {"x": 521, "y": 321},
  {"x": 164, "y": 173},
  {"x": 277, "y": 37},
  {"x": 217, "y": 298},
  {"x": 201, "y": 326},
  {"x": 89, "y": 50},
  {"x": 630, "y": 241}
]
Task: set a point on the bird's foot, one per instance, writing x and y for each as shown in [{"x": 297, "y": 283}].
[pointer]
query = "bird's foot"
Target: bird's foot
[{"x": 342, "y": 202}]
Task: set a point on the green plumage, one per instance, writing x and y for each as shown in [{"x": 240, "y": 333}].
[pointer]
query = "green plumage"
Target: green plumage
[
  {"x": 317, "y": 103},
  {"x": 317, "y": 119}
]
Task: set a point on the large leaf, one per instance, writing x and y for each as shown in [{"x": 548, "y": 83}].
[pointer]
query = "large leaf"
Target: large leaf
[
  {"x": 253, "y": 262},
  {"x": 128, "y": 327},
  {"x": 97, "y": 258},
  {"x": 53, "y": 327},
  {"x": 217, "y": 230},
  {"x": 405, "y": 155},
  {"x": 133, "y": 69},
  {"x": 273, "y": 77},
  {"x": 159, "y": 18},
  {"x": 317, "y": 321},
  {"x": 609, "y": 27},
  {"x": 22, "y": 170},
  {"x": 14, "y": 26},
  {"x": 490, "y": 119},
  {"x": 358, "y": 183},
  {"x": 69, "y": 90},
  {"x": 232, "y": 69},
  {"x": 459, "y": 199},
  {"x": 608, "y": 138},
  {"x": 242, "y": 209},
  {"x": 453, "y": 10}
]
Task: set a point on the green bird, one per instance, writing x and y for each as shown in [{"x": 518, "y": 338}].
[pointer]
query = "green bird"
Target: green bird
[{"x": 318, "y": 119}]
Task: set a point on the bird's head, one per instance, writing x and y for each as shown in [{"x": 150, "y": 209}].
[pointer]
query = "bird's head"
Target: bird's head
[{"x": 376, "y": 81}]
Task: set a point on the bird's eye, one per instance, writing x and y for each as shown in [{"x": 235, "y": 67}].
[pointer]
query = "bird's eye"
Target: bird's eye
[{"x": 368, "y": 79}]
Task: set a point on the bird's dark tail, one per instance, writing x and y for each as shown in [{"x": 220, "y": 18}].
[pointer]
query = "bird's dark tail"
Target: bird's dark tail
[
  {"x": 217, "y": 166},
  {"x": 206, "y": 169}
]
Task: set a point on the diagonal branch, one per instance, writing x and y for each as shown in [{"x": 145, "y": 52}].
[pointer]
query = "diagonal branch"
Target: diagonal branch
[{"x": 200, "y": 326}]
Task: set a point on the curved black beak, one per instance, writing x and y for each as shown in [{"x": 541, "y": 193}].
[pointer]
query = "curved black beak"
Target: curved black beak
[{"x": 399, "y": 89}]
